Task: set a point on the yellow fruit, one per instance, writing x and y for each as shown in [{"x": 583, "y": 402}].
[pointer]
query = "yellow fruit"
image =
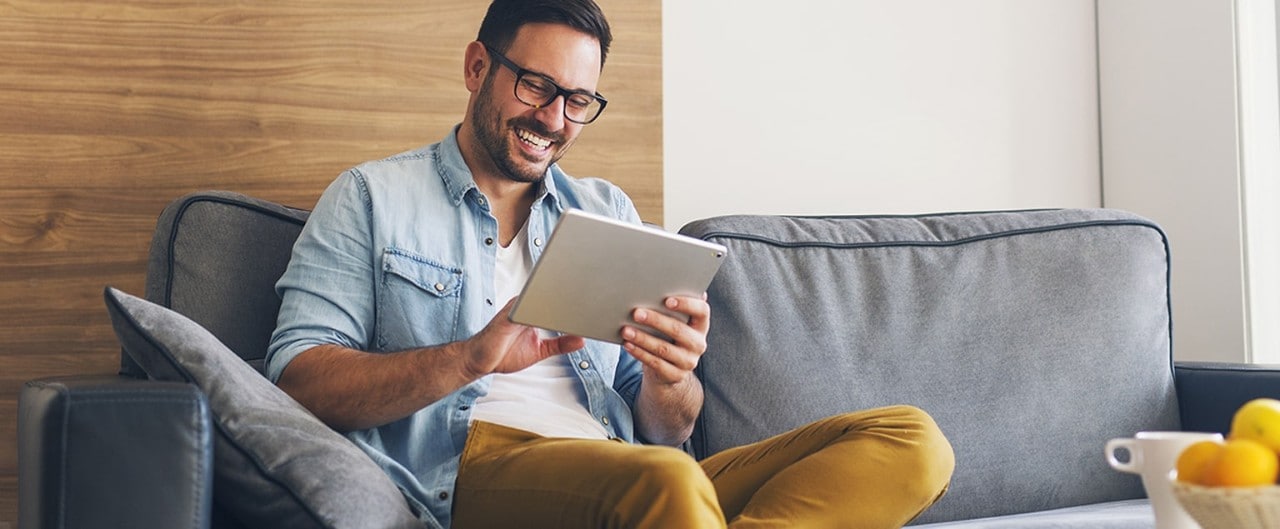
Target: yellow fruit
[
  {"x": 1195, "y": 459},
  {"x": 1259, "y": 420},
  {"x": 1242, "y": 463}
]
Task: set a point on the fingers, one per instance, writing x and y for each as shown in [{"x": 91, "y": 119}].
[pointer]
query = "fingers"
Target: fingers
[
  {"x": 504, "y": 346},
  {"x": 698, "y": 309},
  {"x": 671, "y": 361},
  {"x": 692, "y": 333},
  {"x": 681, "y": 356},
  {"x": 658, "y": 361}
]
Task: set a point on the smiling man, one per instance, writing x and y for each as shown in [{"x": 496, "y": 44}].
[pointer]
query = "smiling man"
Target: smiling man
[{"x": 393, "y": 328}]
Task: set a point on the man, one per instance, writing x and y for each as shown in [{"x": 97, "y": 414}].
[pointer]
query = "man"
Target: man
[{"x": 394, "y": 329}]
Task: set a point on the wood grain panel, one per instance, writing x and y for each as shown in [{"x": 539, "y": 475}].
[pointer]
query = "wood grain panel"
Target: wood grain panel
[
  {"x": 8, "y": 452},
  {"x": 9, "y": 500},
  {"x": 158, "y": 162},
  {"x": 113, "y": 109}
]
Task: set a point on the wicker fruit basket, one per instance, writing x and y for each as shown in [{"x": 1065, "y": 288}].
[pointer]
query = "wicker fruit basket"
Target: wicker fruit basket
[{"x": 1230, "y": 507}]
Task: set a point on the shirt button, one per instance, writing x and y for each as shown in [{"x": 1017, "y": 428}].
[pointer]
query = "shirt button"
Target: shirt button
[
  {"x": 488, "y": 241},
  {"x": 584, "y": 364},
  {"x": 464, "y": 407},
  {"x": 537, "y": 241},
  {"x": 439, "y": 287},
  {"x": 605, "y": 420},
  {"x": 489, "y": 301},
  {"x": 480, "y": 201},
  {"x": 443, "y": 495}
]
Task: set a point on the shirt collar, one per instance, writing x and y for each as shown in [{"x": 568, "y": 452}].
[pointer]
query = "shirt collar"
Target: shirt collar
[{"x": 457, "y": 177}]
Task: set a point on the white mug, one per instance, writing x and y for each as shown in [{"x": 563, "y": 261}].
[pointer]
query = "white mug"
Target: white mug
[{"x": 1153, "y": 455}]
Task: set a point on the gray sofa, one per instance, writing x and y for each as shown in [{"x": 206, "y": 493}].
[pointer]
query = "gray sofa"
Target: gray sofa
[{"x": 1032, "y": 337}]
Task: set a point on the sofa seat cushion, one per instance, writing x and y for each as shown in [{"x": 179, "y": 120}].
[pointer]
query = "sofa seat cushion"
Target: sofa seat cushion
[
  {"x": 275, "y": 464},
  {"x": 1125, "y": 514}
]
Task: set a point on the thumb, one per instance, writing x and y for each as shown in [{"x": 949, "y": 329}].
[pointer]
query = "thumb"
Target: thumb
[
  {"x": 564, "y": 344},
  {"x": 505, "y": 311}
]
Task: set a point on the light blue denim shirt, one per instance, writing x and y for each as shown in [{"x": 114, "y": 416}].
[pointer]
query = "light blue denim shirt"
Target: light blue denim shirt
[{"x": 399, "y": 254}]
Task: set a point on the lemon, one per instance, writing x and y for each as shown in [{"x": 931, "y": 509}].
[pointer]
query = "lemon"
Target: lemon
[
  {"x": 1242, "y": 463},
  {"x": 1195, "y": 460},
  {"x": 1258, "y": 420}
]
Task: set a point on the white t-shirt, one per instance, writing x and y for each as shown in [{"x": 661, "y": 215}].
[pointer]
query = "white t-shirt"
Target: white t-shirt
[{"x": 546, "y": 398}]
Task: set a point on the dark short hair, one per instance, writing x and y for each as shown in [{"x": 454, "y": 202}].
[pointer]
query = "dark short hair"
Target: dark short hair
[{"x": 505, "y": 17}]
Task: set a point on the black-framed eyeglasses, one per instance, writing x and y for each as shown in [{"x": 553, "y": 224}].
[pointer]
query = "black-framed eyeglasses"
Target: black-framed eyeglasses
[{"x": 537, "y": 90}]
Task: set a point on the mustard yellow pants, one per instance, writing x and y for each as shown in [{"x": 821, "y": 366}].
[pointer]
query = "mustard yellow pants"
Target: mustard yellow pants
[{"x": 877, "y": 468}]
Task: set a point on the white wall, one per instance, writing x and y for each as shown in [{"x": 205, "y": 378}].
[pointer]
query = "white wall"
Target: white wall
[{"x": 875, "y": 106}]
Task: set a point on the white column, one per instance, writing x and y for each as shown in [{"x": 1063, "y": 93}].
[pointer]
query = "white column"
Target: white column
[
  {"x": 1260, "y": 166},
  {"x": 1189, "y": 139}
]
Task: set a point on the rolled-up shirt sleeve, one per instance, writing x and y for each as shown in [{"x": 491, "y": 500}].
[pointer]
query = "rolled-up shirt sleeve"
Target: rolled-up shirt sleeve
[{"x": 327, "y": 292}]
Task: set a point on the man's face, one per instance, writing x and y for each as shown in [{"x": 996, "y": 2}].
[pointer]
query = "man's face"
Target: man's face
[{"x": 522, "y": 141}]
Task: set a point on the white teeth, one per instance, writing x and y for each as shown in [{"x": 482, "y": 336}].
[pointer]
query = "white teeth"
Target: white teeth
[{"x": 533, "y": 139}]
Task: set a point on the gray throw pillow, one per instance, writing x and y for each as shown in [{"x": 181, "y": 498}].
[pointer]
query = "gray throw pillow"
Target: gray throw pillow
[{"x": 275, "y": 464}]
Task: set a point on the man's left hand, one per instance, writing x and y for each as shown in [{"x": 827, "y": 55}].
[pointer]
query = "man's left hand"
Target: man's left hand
[{"x": 670, "y": 361}]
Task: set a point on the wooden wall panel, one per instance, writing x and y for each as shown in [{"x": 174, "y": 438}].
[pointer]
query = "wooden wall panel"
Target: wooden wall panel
[{"x": 113, "y": 109}]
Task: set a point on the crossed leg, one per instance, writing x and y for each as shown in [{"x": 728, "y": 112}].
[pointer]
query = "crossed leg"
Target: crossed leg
[
  {"x": 512, "y": 478},
  {"x": 875, "y": 468}
]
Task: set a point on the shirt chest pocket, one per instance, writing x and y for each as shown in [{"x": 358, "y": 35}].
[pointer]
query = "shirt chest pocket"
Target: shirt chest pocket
[{"x": 419, "y": 303}]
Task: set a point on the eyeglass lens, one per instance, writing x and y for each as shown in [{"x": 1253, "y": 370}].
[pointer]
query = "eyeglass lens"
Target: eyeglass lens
[{"x": 538, "y": 91}]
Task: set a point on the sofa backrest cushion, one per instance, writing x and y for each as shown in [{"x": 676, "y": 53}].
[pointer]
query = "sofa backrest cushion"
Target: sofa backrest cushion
[
  {"x": 215, "y": 258},
  {"x": 1031, "y": 337}
]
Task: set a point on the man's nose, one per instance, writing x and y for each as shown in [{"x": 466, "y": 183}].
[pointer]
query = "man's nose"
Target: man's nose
[{"x": 552, "y": 113}]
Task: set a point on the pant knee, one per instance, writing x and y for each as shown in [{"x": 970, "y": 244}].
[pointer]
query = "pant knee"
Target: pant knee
[
  {"x": 919, "y": 447},
  {"x": 670, "y": 469},
  {"x": 667, "y": 488},
  {"x": 927, "y": 452}
]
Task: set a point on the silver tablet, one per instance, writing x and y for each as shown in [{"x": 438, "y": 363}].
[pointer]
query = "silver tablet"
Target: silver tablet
[{"x": 595, "y": 270}]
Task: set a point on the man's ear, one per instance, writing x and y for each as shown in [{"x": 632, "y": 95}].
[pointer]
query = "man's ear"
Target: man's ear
[{"x": 475, "y": 65}]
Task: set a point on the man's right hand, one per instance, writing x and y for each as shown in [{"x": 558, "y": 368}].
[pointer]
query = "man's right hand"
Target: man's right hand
[
  {"x": 352, "y": 390},
  {"x": 506, "y": 347}
]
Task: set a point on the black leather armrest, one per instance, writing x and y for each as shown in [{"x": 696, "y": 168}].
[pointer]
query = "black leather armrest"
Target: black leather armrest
[
  {"x": 1209, "y": 393},
  {"x": 111, "y": 451}
]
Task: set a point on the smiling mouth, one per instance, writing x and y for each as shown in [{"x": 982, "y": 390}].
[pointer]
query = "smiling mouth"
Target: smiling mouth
[{"x": 532, "y": 139}]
